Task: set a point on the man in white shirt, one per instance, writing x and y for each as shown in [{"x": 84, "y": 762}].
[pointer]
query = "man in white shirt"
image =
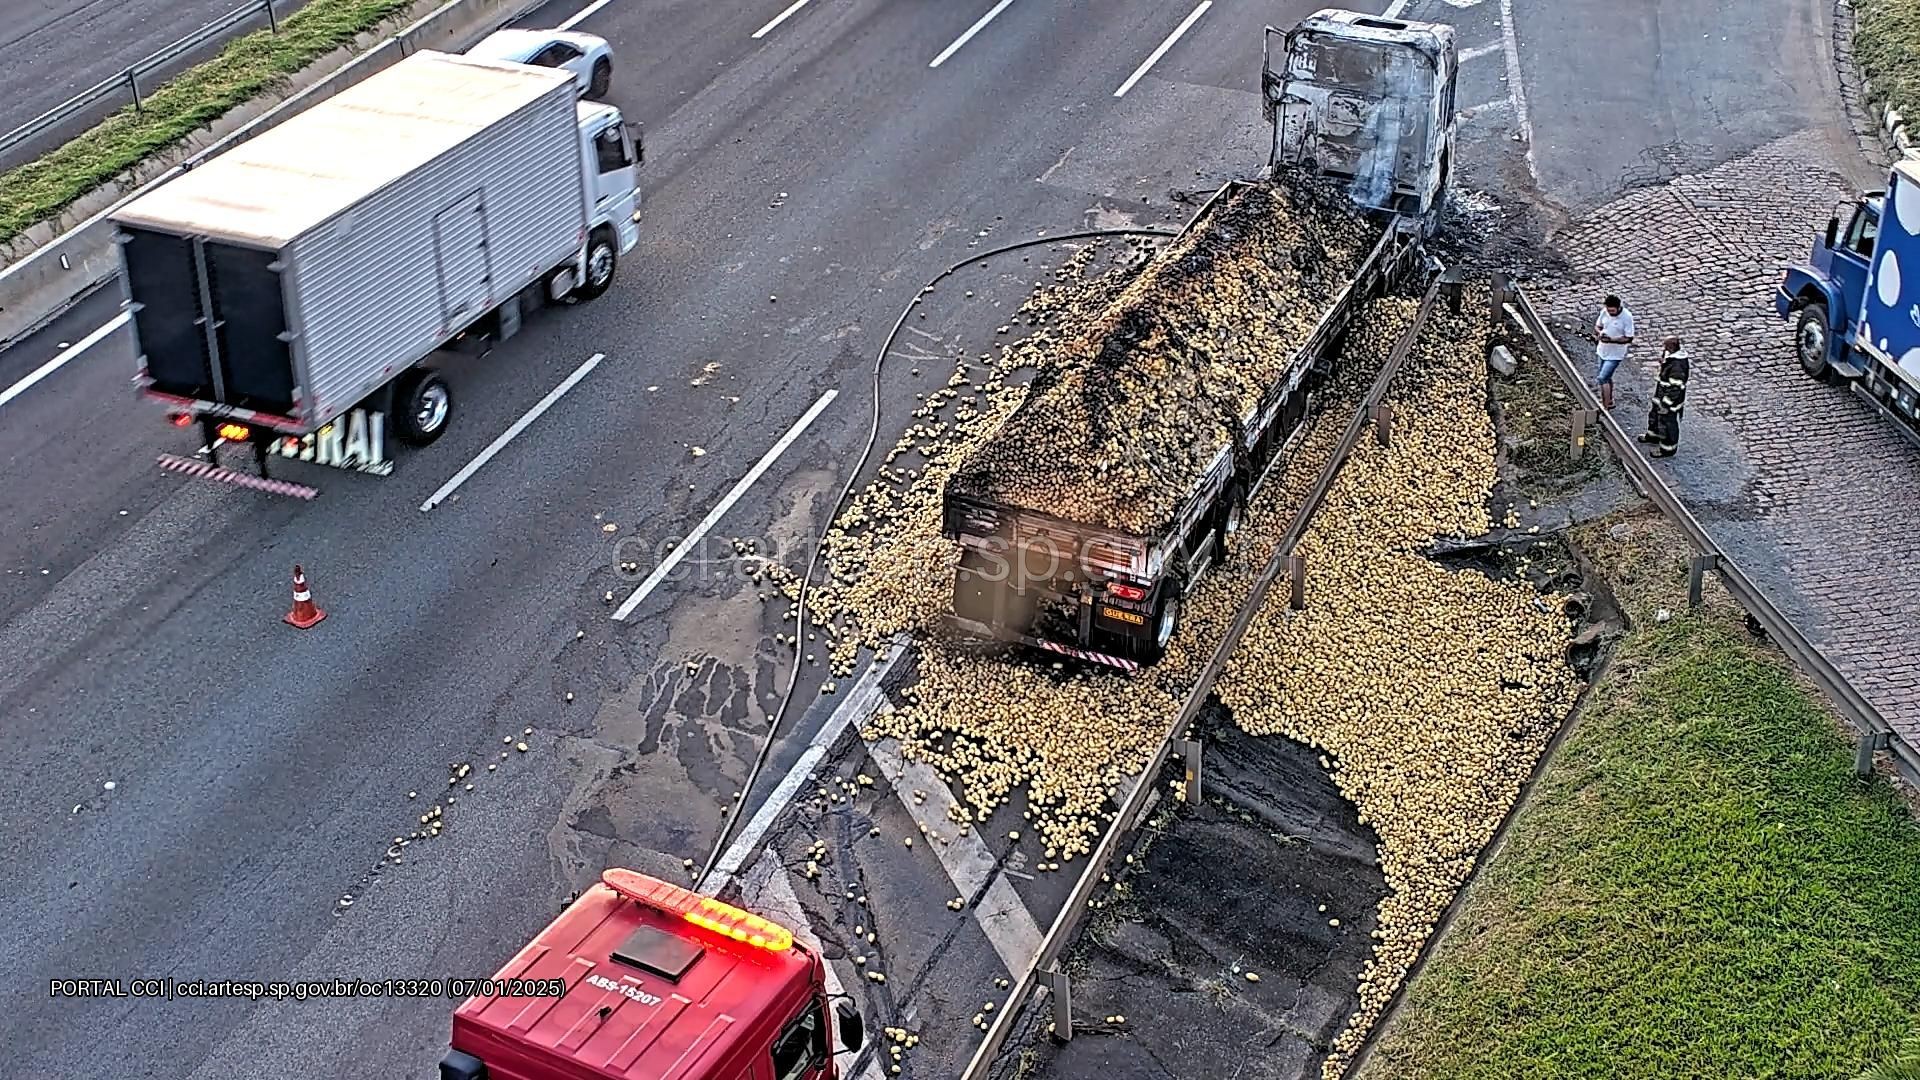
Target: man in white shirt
[{"x": 1613, "y": 330}]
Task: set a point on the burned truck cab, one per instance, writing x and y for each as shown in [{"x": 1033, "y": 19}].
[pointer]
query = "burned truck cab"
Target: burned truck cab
[{"x": 1367, "y": 100}]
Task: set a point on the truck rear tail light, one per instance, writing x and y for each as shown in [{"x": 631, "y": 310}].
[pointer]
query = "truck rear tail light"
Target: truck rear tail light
[
  {"x": 1126, "y": 592},
  {"x": 234, "y": 432},
  {"x": 702, "y": 911}
]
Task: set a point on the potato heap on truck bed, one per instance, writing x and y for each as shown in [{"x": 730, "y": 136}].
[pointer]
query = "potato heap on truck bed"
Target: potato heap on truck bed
[{"x": 1123, "y": 419}]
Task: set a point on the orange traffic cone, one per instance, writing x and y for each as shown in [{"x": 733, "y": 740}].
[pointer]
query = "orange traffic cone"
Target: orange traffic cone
[{"x": 304, "y": 613}]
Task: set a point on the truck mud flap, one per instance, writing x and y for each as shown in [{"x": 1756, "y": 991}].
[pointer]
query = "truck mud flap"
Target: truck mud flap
[
  {"x": 981, "y": 630},
  {"x": 207, "y": 471}
]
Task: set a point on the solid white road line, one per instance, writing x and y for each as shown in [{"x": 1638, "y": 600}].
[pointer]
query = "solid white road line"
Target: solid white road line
[
  {"x": 778, "y": 19},
  {"x": 1002, "y": 915},
  {"x": 700, "y": 531},
  {"x": 1154, "y": 57},
  {"x": 971, "y": 30},
  {"x": 859, "y": 704},
  {"x": 507, "y": 436},
  {"x": 65, "y": 355},
  {"x": 576, "y": 18}
]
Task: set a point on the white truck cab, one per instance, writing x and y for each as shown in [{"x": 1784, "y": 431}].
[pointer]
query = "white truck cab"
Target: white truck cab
[{"x": 612, "y": 151}]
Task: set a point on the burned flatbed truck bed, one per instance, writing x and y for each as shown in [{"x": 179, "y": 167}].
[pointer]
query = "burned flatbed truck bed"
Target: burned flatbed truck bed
[
  {"x": 1080, "y": 533},
  {"x": 1106, "y": 584}
]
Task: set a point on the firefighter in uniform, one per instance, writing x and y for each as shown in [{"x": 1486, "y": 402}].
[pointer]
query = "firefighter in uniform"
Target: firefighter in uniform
[{"x": 1669, "y": 400}]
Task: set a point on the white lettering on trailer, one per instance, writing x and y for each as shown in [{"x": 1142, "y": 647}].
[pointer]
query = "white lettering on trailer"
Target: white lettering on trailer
[
  {"x": 624, "y": 989},
  {"x": 356, "y": 442}
]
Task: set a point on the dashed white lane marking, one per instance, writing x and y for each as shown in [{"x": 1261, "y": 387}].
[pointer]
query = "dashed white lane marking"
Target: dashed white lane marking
[
  {"x": 858, "y": 704},
  {"x": 971, "y": 30},
  {"x": 1002, "y": 915},
  {"x": 60, "y": 359},
  {"x": 780, "y": 18},
  {"x": 1395, "y": 9},
  {"x": 1479, "y": 51},
  {"x": 577, "y": 17},
  {"x": 1154, "y": 57},
  {"x": 713, "y": 517},
  {"x": 508, "y": 435}
]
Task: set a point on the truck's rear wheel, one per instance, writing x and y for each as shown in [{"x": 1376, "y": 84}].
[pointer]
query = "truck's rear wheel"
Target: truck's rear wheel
[
  {"x": 1166, "y": 619},
  {"x": 602, "y": 78},
  {"x": 603, "y": 255},
  {"x": 1810, "y": 343},
  {"x": 422, "y": 403}
]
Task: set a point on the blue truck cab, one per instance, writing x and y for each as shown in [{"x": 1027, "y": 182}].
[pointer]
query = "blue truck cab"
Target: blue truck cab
[{"x": 1855, "y": 302}]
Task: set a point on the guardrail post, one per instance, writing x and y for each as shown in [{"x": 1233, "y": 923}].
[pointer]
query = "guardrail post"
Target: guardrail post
[
  {"x": 1502, "y": 294},
  {"x": 1450, "y": 283},
  {"x": 1061, "y": 991},
  {"x": 134, "y": 86},
  {"x": 1871, "y": 743},
  {"x": 1383, "y": 424},
  {"x": 1297, "y": 581},
  {"x": 1697, "y": 574},
  {"x": 273, "y": 21},
  {"x": 1579, "y": 421},
  {"x": 1190, "y": 755}
]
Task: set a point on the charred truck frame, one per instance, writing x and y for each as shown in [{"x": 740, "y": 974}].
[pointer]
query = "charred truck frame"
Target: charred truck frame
[{"x": 1364, "y": 101}]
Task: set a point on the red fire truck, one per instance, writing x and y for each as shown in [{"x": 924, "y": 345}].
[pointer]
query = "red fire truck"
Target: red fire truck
[{"x": 641, "y": 979}]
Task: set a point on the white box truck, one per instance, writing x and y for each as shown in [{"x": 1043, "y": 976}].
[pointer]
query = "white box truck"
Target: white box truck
[{"x": 290, "y": 292}]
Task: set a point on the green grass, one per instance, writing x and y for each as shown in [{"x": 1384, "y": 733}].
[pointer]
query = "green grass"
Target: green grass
[
  {"x": 1698, "y": 887},
  {"x": 1886, "y": 47},
  {"x": 36, "y": 191}
]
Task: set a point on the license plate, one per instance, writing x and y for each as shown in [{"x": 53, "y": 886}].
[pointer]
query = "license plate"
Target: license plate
[{"x": 1123, "y": 616}]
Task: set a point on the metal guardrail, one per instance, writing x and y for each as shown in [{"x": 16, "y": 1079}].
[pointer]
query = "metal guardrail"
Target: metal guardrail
[
  {"x": 1876, "y": 734},
  {"x": 1045, "y": 969},
  {"x": 129, "y": 78}
]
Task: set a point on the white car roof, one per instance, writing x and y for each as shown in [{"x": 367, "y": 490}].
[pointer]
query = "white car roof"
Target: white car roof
[
  {"x": 520, "y": 45},
  {"x": 510, "y": 44}
]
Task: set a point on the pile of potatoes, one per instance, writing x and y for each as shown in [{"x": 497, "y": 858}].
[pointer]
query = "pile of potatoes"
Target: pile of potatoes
[
  {"x": 1432, "y": 692},
  {"x": 1129, "y": 410}
]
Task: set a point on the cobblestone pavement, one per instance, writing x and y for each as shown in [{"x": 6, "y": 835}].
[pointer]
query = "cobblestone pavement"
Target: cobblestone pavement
[{"x": 1810, "y": 492}]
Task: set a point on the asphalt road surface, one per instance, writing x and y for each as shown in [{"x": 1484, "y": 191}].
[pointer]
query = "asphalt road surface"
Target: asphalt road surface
[
  {"x": 799, "y": 189},
  {"x": 54, "y": 49}
]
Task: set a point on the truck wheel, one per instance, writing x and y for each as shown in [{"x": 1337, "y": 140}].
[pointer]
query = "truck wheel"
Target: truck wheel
[
  {"x": 602, "y": 256},
  {"x": 1810, "y": 343},
  {"x": 602, "y": 78},
  {"x": 1166, "y": 619},
  {"x": 1230, "y": 520},
  {"x": 422, "y": 402}
]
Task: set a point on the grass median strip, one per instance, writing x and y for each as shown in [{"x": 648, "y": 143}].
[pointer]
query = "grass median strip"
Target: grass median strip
[
  {"x": 1886, "y": 46},
  {"x": 249, "y": 65},
  {"x": 1697, "y": 887}
]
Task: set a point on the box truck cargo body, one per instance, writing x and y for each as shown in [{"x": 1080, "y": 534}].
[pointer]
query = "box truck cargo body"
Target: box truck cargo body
[{"x": 289, "y": 279}]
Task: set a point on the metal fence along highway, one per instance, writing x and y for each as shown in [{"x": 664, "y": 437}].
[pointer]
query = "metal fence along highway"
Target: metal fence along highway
[{"x": 140, "y": 77}]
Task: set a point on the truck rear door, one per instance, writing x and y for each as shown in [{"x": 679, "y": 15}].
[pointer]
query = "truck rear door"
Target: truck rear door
[{"x": 211, "y": 319}]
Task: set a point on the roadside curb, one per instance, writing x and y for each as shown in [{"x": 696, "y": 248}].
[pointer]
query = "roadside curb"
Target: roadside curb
[
  {"x": 64, "y": 260},
  {"x": 1879, "y": 127}
]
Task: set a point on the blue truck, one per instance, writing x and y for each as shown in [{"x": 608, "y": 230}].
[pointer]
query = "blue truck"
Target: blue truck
[{"x": 1855, "y": 303}]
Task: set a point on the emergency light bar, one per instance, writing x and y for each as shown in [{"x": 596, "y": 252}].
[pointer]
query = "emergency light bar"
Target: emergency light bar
[{"x": 702, "y": 911}]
